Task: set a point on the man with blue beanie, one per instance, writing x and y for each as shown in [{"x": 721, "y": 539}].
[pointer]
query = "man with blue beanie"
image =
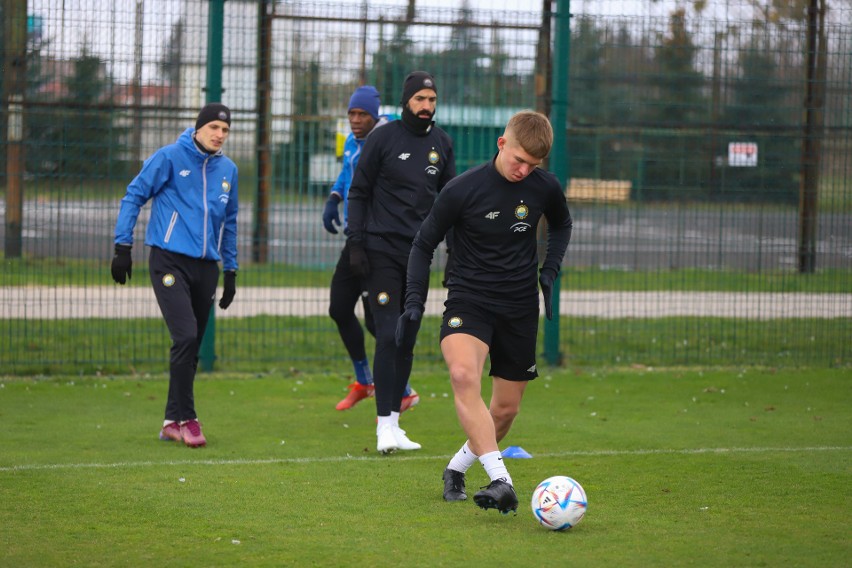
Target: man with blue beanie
[{"x": 346, "y": 287}]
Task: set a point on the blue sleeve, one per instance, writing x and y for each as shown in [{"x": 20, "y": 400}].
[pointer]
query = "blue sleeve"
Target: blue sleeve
[
  {"x": 150, "y": 180},
  {"x": 229, "y": 231},
  {"x": 344, "y": 179}
]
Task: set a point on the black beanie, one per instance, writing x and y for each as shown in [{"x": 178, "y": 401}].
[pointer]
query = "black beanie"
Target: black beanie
[
  {"x": 211, "y": 112},
  {"x": 416, "y": 81}
]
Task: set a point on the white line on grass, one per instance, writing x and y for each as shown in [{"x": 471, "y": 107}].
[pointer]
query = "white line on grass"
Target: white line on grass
[{"x": 409, "y": 457}]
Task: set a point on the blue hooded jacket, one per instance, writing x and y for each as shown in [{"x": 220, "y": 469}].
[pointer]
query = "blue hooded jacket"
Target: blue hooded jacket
[
  {"x": 195, "y": 203},
  {"x": 351, "y": 152}
]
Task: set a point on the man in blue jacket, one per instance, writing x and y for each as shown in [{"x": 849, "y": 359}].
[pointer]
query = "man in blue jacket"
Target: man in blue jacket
[
  {"x": 346, "y": 287},
  {"x": 192, "y": 227}
]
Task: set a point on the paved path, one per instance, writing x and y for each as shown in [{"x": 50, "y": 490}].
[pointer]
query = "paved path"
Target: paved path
[{"x": 70, "y": 302}]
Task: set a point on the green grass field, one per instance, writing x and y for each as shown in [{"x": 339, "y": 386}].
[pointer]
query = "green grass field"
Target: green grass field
[
  {"x": 75, "y": 272},
  {"x": 683, "y": 467},
  {"x": 271, "y": 344}
]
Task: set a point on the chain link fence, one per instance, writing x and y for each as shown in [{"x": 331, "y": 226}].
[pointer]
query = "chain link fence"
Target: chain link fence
[{"x": 709, "y": 164}]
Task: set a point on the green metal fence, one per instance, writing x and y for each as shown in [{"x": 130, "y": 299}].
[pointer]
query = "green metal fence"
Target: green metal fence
[{"x": 707, "y": 166}]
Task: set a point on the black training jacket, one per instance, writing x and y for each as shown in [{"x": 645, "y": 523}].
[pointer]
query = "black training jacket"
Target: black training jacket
[
  {"x": 397, "y": 179},
  {"x": 494, "y": 256}
]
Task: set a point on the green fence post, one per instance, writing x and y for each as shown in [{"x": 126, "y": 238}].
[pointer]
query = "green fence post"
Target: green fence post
[
  {"x": 560, "y": 165},
  {"x": 213, "y": 94}
]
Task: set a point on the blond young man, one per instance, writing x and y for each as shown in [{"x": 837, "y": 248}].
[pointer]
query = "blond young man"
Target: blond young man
[{"x": 492, "y": 303}]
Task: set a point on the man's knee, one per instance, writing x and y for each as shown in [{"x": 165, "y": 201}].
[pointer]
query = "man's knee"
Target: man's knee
[
  {"x": 463, "y": 376},
  {"x": 185, "y": 349},
  {"x": 339, "y": 313},
  {"x": 504, "y": 413}
]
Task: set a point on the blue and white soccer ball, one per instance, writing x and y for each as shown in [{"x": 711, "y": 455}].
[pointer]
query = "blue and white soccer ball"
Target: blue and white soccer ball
[{"x": 559, "y": 503}]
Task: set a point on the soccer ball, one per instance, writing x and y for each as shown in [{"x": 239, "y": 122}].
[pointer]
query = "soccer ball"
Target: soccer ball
[{"x": 559, "y": 503}]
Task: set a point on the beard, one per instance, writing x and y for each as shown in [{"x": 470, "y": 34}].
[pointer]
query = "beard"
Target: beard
[{"x": 417, "y": 122}]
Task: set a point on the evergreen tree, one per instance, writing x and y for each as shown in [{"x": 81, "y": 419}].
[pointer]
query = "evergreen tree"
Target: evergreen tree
[
  {"x": 677, "y": 163},
  {"x": 758, "y": 112},
  {"x": 74, "y": 137}
]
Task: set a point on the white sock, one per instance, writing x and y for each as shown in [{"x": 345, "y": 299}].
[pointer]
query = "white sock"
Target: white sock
[
  {"x": 382, "y": 421},
  {"x": 494, "y": 467},
  {"x": 463, "y": 459},
  {"x": 167, "y": 422},
  {"x": 395, "y": 418}
]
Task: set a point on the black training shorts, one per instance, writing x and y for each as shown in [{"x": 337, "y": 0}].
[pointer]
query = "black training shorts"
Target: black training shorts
[{"x": 510, "y": 334}]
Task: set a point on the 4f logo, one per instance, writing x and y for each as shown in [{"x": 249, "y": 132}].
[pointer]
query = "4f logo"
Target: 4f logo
[
  {"x": 404, "y": 156},
  {"x": 184, "y": 173},
  {"x": 492, "y": 215}
]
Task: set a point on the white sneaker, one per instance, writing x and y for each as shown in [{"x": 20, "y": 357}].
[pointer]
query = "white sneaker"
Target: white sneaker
[
  {"x": 387, "y": 442},
  {"x": 402, "y": 441}
]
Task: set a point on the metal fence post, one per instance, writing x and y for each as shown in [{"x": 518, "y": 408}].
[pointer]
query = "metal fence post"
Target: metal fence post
[
  {"x": 15, "y": 80},
  {"x": 213, "y": 94},
  {"x": 560, "y": 164}
]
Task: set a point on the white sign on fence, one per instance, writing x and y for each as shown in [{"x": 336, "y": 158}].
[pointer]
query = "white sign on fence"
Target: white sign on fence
[{"x": 742, "y": 154}]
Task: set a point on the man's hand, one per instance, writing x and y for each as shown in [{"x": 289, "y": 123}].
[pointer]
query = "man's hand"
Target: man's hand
[
  {"x": 330, "y": 216},
  {"x": 358, "y": 260},
  {"x": 407, "y": 327},
  {"x": 545, "y": 279},
  {"x": 230, "y": 289},
  {"x": 122, "y": 264}
]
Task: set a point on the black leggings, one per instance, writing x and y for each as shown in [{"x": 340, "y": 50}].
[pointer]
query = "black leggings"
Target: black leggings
[
  {"x": 391, "y": 364},
  {"x": 185, "y": 288},
  {"x": 346, "y": 289}
]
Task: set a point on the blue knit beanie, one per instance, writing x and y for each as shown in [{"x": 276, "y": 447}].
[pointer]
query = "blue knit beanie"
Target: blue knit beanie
[{"x": 367, "y": 99}]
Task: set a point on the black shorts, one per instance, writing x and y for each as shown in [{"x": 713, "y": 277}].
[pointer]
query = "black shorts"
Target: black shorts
[{"x": 510, "y": 335}]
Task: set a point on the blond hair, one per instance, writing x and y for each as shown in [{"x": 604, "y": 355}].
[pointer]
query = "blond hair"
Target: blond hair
[{"x": 532, "y": 131}]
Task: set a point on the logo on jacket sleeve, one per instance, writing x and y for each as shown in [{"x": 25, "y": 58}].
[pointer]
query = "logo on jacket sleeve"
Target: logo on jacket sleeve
[
  {"x": 226, "y": 187},
  {"x": 434, "y": 157}
]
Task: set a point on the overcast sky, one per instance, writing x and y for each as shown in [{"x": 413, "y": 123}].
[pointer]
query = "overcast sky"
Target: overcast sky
[{"x": 107, "y": 27}]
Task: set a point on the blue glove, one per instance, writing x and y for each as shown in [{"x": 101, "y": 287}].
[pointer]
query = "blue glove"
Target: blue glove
[
  {"x": 546, "y": 279},
  {"x": 330, "y": 216},
  {"x": 407, "y": 327}
]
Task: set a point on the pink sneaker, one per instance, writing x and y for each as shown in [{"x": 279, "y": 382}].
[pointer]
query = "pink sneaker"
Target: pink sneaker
[
  {"x": 171, "y": 433},
  {"x": 191, "y": 432},
  {"x": 357, "y": 393},
  {"x": 408, "y": 401}
]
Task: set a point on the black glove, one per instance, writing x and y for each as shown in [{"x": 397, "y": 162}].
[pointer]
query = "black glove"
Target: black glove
[
  {"x": 358, "y": 260},
  {"x": 407, "y": 327},
  {"x": 122, "y": 264},
  {"x": 546, "y": 279},
  {"x": 330, "y": 216},
  {"x": 230, "y": 289}
]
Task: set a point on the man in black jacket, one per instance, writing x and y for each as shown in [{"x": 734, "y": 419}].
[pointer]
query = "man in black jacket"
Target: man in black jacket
[
  {"x": 402, "y": 168},
  {"x": 492, "y": 307}
]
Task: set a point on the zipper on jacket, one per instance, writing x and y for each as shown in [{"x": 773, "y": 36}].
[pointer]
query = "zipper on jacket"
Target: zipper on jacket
[{"x": 206, "y": 212}]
